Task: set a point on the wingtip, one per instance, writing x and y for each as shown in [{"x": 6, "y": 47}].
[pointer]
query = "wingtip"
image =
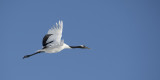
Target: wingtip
[{"x": 60, "y": 22}]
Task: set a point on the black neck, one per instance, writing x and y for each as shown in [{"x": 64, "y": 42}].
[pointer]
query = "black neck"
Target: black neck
[{"x": 76, "y": 46}]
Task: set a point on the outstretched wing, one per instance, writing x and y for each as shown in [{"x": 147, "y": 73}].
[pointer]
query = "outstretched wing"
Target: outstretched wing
[
  {"x": 53, "y": 37},
  {"x": 45, "y": 38}
]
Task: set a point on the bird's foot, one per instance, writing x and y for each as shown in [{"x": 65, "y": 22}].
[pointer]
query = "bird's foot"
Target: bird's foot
[{"x": 26, "y": 56}]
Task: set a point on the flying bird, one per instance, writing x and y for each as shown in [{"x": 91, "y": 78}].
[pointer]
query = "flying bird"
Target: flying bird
[{"x": 52, "y": 42}]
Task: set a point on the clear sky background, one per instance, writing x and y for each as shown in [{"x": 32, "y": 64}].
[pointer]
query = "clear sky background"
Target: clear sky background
[{"x": 124, "y": 37}]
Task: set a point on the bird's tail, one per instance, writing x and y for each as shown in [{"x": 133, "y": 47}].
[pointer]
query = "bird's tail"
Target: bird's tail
[{"x": 26, "y": 56}]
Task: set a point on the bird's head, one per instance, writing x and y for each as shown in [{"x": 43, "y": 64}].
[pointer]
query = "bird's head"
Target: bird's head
[{"x": 84, "y": 47}]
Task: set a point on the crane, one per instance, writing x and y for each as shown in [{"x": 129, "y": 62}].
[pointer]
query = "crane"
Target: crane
[{"x": 52, "y": 42}]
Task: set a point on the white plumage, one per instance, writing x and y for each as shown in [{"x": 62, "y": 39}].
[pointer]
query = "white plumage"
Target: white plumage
[
  {"x": 57, "y": 44},
  {"x": 52, "y": 42},
  {"x": 57, "y": 31}
]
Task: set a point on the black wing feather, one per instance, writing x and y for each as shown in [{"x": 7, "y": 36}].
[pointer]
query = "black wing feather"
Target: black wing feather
[{"x": 45, "y": 38}]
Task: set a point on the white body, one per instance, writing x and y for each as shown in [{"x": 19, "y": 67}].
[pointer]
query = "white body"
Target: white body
[{"x": 56, "y": 49}]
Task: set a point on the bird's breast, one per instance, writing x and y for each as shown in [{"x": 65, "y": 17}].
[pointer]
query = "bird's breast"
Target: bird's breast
[
  {"x": 56, "y": 48},
  {"x": 53, "y": 50}
]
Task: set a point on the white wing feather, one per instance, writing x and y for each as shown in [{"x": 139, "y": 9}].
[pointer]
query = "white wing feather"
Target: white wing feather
[{"x": 56, "y": 32}]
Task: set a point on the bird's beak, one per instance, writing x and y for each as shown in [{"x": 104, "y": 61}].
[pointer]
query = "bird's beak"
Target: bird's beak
[{"x": 87, "y": 48}]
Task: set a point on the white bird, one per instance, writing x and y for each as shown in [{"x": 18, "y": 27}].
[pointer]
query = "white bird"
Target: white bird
[{"x": 52, "y": 42}]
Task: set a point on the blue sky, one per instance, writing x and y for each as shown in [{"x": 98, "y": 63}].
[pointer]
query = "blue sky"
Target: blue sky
[{"x": 124, "y": 37}]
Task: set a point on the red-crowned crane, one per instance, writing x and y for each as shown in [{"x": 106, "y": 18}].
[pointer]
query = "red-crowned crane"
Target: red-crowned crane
[{"x": 52, "y": 42}]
